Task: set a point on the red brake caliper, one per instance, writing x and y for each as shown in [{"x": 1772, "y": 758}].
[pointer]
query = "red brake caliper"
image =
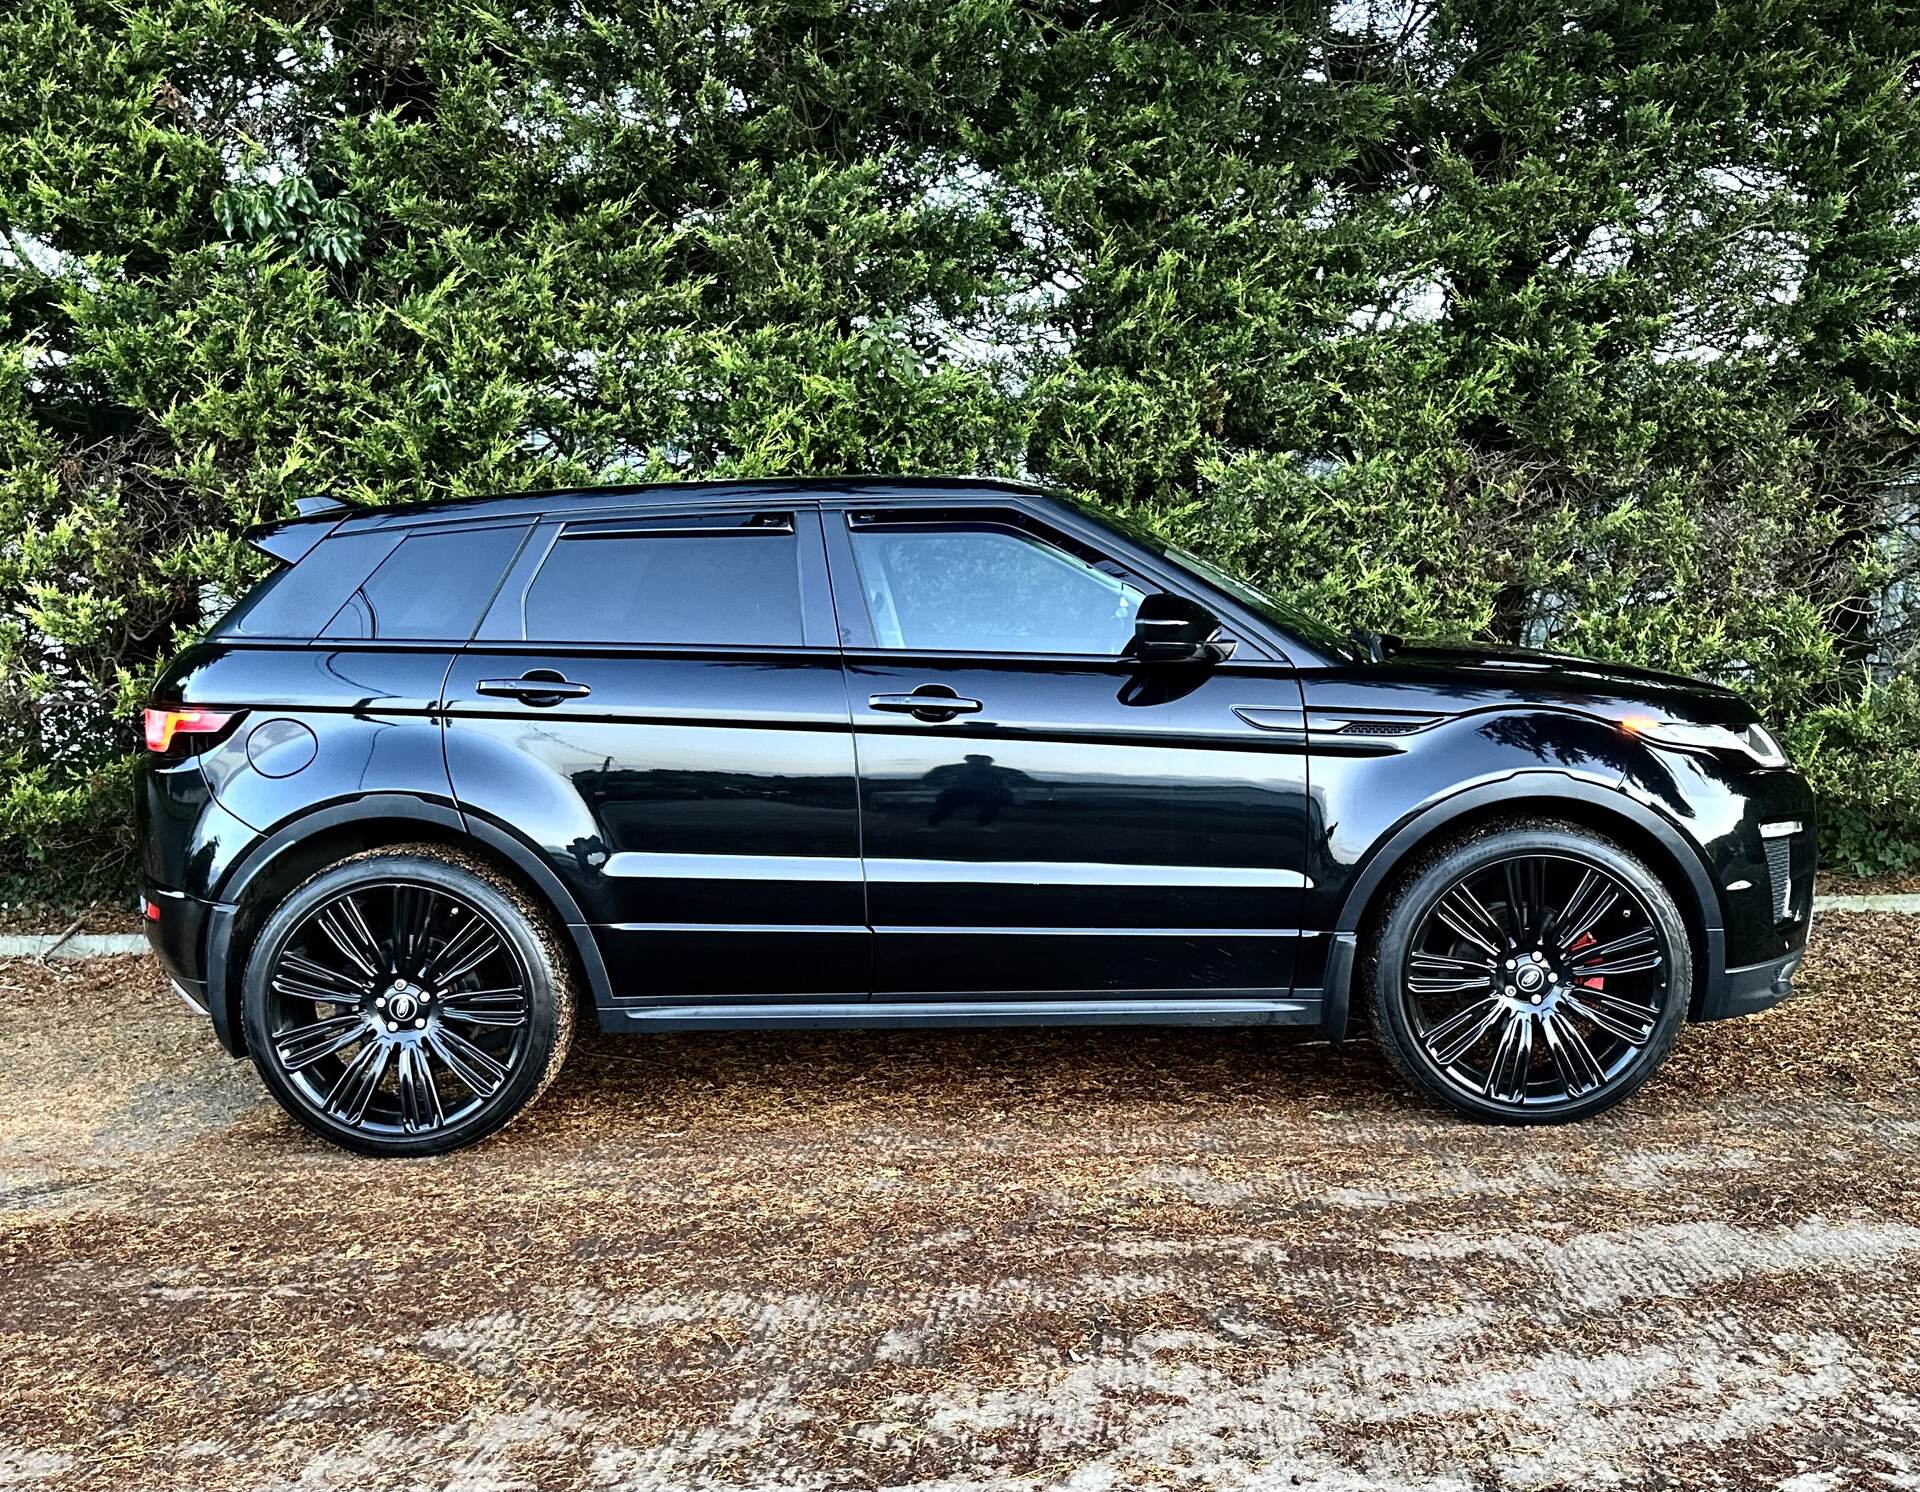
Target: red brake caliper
[{"x": 1586, "y": 940}]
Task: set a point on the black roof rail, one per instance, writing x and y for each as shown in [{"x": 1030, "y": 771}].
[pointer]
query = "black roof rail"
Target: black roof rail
[
  {"x": 290, "y": 539},
  {"x": 320, "y": 505}
]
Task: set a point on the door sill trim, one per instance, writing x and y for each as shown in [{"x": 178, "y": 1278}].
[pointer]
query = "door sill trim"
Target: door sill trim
[{"x": 1253, "y": 1008}]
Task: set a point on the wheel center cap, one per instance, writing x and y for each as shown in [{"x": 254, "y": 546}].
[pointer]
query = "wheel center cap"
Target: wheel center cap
[
  {"x": 1530, "y": 978},
  {"x": 403, "y": 1006}
]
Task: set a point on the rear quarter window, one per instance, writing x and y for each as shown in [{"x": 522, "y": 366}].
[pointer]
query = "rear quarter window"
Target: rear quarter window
[{"x": 300, "y": 600}]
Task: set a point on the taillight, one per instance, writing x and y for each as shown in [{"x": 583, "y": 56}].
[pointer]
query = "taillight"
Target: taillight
[{"x": 164, "y": 725}]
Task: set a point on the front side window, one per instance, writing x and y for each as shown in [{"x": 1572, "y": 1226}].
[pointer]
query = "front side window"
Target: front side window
[
  {"x": 1245, "y": 592},
  {"x": 986, "y": 589},
  {"x": 696, "y": 582}
]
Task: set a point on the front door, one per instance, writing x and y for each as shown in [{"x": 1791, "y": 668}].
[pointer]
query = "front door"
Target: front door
[
  {"x": 656, "y": 703},
  {"x": 1041, "y": 816}
]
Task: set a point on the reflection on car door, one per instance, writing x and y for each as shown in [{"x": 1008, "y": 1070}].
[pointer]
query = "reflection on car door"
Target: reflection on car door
[
  {"x": 673, "y": 679},
  {"x": 1039, "y": 815}
]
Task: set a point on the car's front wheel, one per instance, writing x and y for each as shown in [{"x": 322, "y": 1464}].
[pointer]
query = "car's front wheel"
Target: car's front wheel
[
  {"x": 1531, "y": 974},
  {"x": 408, "y": 1001}
]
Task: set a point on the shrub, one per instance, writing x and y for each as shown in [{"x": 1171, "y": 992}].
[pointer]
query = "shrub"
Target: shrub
[
  {"x": 1863, "y": 758},
  {"x": 1593, "y": 329}
]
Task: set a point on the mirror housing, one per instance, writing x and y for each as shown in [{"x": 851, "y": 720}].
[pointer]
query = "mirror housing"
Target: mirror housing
[{"x": 1172, "y": 629}]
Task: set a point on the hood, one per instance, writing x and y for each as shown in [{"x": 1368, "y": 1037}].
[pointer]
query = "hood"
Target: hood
[{"x": 1530, "y": 670}]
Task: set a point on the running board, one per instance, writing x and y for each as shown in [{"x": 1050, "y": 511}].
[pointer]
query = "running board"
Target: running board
[{"x": 1253, "y": 1009}]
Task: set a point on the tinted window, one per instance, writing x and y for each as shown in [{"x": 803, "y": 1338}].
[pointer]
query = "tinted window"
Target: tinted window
[
  {"x": 740, "y": 588},
  {"x": 298, "y": 601},
  {"x": 433, "y": 587},
  {"x": 989, "y": 591}
]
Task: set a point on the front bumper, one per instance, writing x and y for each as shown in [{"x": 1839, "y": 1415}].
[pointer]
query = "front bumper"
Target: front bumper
[{"x": 1753, "y": 987}]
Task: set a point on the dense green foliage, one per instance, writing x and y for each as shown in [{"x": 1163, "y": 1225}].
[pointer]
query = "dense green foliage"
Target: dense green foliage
[{"x": 1591, "y": 325}]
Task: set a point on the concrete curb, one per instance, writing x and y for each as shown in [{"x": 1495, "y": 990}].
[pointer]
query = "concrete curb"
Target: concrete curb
[
  {"x": 80, "y": 945},
  {"x": 103, "y": 945},
  {"x": 1891, "y": 902}
]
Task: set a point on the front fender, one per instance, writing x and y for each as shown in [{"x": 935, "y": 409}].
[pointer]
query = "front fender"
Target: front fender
[{"x": 1521, "y": 761}]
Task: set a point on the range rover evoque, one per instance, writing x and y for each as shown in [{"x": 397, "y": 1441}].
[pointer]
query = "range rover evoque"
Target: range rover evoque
[{"x": 889, "y": 752}]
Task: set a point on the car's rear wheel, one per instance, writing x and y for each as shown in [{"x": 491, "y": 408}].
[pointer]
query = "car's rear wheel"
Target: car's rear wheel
[
  {"x": 408, "y": 1001},
  {"x": 1532, "y": 974}
]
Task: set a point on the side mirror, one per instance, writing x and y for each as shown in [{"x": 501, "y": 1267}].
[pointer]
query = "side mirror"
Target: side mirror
[{"x": 1172, "y": 629}]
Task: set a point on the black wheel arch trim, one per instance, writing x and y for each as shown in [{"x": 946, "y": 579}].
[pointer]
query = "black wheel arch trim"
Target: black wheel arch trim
[
  {"x": 223, "y": 991},
  {"x": 1522, "y": 792}
]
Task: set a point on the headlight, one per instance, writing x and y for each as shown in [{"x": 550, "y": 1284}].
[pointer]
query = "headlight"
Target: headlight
[{"x": 1755, "y": 742}]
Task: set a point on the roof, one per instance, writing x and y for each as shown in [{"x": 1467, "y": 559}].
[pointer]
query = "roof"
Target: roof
[{"x": 648, "y": 494}]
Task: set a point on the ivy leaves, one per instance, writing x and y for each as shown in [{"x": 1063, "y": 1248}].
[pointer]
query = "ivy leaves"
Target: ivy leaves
[{"x": 290, "y": 211}]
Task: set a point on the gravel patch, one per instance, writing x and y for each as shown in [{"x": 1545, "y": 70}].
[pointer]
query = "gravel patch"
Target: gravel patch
[{"x": 946, "y": 1261}]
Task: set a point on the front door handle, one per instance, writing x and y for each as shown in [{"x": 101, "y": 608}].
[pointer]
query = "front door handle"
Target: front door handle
[
  {"x": 928, "y": 702},
  {"x": 538, "y": 686}
]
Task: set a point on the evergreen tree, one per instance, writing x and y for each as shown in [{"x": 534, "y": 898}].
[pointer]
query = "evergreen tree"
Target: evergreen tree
[{"x": 1586, "y": 326}]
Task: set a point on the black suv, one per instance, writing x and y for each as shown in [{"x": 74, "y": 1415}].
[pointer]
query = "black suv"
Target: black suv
[{"x": 886, "y": 752}]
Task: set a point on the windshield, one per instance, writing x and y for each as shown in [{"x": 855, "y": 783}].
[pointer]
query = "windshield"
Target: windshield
[{"x": 1284, "y": 617}]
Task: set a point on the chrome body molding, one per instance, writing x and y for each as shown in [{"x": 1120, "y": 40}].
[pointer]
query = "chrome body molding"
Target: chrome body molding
[
  {"x": 1254, "y": 1007},
  {"x": 632, "y": 863}
]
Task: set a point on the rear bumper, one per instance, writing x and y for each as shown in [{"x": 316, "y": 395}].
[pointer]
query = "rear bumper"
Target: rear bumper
[
  {"x": 181, "y": 937},
  {"x": 177, "y": 937}
]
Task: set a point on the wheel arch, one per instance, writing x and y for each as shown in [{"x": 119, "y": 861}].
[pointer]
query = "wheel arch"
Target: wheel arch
[
  {"x": 283, "y": 859},
  {"x": 1679, "y": 865}
]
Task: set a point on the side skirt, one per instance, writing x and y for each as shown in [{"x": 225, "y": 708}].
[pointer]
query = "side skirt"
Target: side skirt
[{"x": 1251, "y": 1008}]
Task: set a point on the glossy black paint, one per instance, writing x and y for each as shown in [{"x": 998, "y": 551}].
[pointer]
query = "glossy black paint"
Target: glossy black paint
[
  {"x": 731, "y": 830},
  {"x": 1084, "y": 767},
  {"x": 727, "y": 784}
]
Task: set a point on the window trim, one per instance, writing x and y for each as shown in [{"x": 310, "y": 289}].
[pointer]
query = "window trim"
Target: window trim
[{"x": 677, "y": 526}]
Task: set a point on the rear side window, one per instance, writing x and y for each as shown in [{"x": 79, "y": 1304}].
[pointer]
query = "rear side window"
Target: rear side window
[
  {"x": 432, "y": 588},
  {"x": 299, "y": 601},
  {"x": 708, "y": 580}
]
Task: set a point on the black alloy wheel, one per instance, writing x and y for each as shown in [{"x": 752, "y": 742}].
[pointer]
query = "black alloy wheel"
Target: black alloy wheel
[
  {"x": 1531, "y": 975},
  {"x": 407, "y": 1001}
]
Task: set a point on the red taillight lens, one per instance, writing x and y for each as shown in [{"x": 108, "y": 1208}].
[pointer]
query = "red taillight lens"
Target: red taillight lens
[{"x": 164, "y": 725}]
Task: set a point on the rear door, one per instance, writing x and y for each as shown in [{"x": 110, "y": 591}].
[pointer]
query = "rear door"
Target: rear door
[
  {"x": 1041, "y": 814},
  {"x": 656, "y": 702}
]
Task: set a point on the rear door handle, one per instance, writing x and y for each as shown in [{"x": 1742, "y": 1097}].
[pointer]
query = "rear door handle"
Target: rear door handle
[
  {"x": 930, "y": 702},
  {"x": 537, "y": 687}
]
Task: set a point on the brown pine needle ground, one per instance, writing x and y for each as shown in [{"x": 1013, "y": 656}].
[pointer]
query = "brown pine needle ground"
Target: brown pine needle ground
[{"x": 1017, "y": 1259}]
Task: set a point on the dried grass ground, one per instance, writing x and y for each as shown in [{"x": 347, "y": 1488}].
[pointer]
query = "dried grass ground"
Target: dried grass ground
[{"x": 943, "y": 1260}]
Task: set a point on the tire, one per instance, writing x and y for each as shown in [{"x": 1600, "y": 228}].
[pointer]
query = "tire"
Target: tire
[
  {"x": 408, "y": 1001},
  {"x": 1548, "y": 992}
]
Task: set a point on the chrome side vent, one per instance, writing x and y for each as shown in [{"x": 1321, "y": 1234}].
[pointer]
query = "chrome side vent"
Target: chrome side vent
[
  {"x": 1780, "y": 875},
  {"x": 1385, "y": 727},
  {"x": 1332, "y": 723},
  {"x": 1373, "y": 723}
]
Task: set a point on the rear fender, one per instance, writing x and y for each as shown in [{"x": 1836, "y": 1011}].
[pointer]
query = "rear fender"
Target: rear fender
[{"x": 276, "y": 862}]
